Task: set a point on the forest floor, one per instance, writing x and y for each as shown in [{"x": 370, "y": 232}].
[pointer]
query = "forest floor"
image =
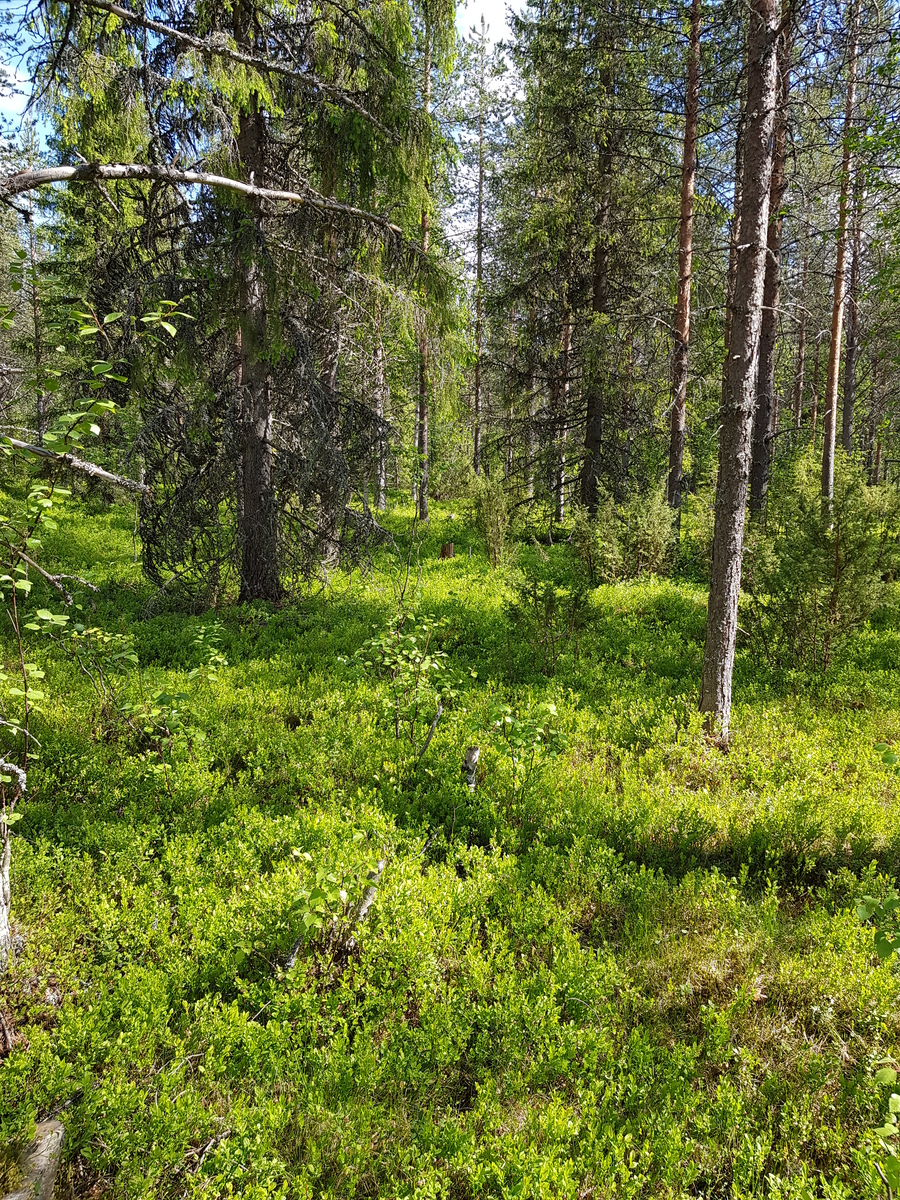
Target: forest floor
[{"x": 627, "y": 964}]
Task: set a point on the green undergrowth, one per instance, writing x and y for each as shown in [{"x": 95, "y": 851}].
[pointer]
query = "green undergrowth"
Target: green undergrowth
[{"x": 627, "y": 964}]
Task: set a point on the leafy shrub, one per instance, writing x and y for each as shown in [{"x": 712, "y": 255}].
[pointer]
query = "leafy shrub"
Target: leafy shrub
[
  {"x": 819, "y": 572},
  {"x": 414, "y": 671}
]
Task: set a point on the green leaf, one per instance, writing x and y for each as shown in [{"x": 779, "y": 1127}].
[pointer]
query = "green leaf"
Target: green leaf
[{"x": 886, "y": 1075}]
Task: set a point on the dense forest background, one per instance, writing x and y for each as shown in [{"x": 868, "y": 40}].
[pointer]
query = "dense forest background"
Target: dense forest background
[{"x": 377, "y": 399}]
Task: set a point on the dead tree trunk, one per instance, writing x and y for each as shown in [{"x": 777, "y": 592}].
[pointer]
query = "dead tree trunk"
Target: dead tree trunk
[
  {"x": 737, "y": 415},
  {"x": 840, "y": 268},
  {"x": 764, "y": 421},
  {"x": 685, "y": 255}
]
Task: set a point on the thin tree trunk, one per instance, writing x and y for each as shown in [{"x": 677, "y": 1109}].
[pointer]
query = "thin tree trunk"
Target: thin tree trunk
[
  {"x": 849, "y": 399},
  {"x": 532, "y": 399},
  {"x": 765, "y": 418},
  {"x": 814, "y": 402},
  {"x": 563, "y": 412},
  {"x": 479, "y": 248},
  {"x": 5, "y": 899},
  {"x": 422, "y": 423},
  {"x": 840, "y": 269},
  {"x": 380, "y": 398},
  {"x": 40, "y": 391},
  {"x": 260, "y": 577},
  {"x": 801, "y": 340},
  {"x": 733, "y": 243},
  {"x": 593, "y": 426},
  {"x": 737, "y": 415},
  {"x": 685, "y": 254}
]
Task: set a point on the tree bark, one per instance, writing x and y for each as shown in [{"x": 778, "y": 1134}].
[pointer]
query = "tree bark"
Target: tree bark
[
  {"x": 685, "y": 255},
  {"x": 737, "y": 415},
  {"x": 840, "y": 269},
  {"x": 765, "y": 418}
]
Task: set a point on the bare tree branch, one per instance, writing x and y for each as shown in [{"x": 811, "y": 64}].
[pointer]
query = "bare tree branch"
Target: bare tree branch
[
  {"x": 27, "y": 181},
  {"x": 77, "y": 464}
]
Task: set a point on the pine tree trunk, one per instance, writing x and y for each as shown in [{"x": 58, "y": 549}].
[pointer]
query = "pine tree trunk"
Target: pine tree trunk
[
  {"x": 260, "y": 577},
  {"x": 764, "y": 421},
  {"x": 840, "y": 269},
  {"x": 737, "y": 415},
  {"x": 685, "y": 254}
]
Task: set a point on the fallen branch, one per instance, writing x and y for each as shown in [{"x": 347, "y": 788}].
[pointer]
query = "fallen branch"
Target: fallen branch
[
  {"x": 28, "y": 181},
  {"x": 77, "y": 464}
]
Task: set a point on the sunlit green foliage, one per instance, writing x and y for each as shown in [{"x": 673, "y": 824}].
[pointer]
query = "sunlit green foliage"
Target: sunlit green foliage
[{"x": 626, "y": 962}]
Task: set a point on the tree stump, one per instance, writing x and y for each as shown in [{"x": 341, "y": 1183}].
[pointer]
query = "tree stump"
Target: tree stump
[{"x": 447, "y": 550}]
